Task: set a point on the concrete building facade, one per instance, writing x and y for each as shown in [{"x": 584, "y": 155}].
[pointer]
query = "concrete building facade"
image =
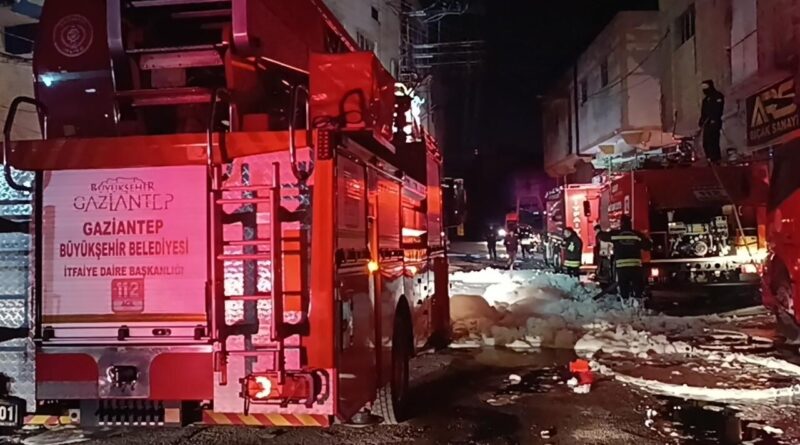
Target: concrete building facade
[
  {"x": 610, "y": 101},
  {"x": 16, "y": 71},
  {"x": 375, "y": 25},
  {"x": 749, "y": 49}
]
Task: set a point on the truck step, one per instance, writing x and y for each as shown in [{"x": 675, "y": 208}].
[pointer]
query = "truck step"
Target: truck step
[
  {"x": 259, "y": 352},
  {"x": 259, "y": 297},
  {"x": 244, "y": 201},
  {"x": 173, "y": 60},
  {"x": 204, "y": 14},
  {"x": 175, "y": 49},
  {"x": 255, "y": 242},
  {"x": 167, "y": 96},
  {"x": 245, "y": 257},
  {"x": 158, "y": 3},
  {"x": 246, "y": 188}
]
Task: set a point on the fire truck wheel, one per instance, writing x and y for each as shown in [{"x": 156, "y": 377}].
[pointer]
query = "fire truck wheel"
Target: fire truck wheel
[
  {"x": 782, "y": 288},
  {"x": 391, "y": 402}
]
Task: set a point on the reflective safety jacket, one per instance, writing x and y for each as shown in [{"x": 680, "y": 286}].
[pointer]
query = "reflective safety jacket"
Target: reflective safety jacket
[
  {"x": 628, "y": 246},
  {"x": 573, "y": 251}
]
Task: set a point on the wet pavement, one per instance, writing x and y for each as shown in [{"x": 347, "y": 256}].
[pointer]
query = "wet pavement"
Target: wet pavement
[
  {"x": 495, "y": 396},
  {"x": 451, "y": 399},
  {"x": 498, "y": 396},
  {"x": 689, "y": 422}
]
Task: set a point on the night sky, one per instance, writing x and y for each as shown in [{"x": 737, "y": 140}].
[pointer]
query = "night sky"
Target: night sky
[{"x": 494, "y": 108}]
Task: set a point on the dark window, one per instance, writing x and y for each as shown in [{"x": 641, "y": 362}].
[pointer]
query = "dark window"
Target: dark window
[
  {"x": 333, "y": 43},
  {"x": 364, "y": 42},
  {"x": 375, "y": 14},
  {"x": 604, "y": 72},
  {"x": 584, "y": 91},
  {"x": 684, "y": 26},
  {"x": 785, "y": 180},
  {"x": 19, "y": 39}
]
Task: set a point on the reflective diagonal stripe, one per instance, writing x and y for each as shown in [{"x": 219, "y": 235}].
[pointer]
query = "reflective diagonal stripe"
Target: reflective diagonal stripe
[
  {"x": 629, "y": 263},
  {"x": 267, "y": 419},
  {"x": 45, "y": 420}
]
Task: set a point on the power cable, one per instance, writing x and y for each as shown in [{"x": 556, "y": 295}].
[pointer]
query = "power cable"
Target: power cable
[{"x": 631, "y": 72}]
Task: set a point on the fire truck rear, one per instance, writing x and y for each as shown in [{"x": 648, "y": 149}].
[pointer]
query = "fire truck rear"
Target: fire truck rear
[
  {"x": 780, "y": 292},
  {"x": 707, "y": 225},
  {"x": 576, "y": 206},
  {"x": 221, "y": 225}
]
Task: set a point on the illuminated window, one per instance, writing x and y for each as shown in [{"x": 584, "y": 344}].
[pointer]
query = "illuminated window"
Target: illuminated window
[{"x": 684, "y": 26}]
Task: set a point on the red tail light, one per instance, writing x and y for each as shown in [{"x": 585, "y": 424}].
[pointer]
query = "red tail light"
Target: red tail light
[{"x": 267, "y": 388}]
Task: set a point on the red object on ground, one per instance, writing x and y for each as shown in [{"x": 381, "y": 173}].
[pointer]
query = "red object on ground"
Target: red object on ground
[
  {"x": 579, "y": 366},
  {"x": 580, "y": 369},
  {"x": 585, "y": 378}
]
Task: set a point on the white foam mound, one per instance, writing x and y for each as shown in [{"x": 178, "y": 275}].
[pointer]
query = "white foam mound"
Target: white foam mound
[{"x": 545, "y": 309}]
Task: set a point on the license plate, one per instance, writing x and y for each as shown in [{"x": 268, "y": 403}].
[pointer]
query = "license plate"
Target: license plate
[{"x": 10, "y": 413}]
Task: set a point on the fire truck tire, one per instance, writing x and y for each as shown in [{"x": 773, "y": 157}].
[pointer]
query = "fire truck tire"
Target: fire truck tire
[
  {"x": 391, "y": 402},
  {"x": 782, "y": 288}
]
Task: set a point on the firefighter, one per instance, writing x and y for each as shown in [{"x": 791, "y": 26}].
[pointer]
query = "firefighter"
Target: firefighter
[
  {"x": 711, "y": 120},
  {"x": 512, "y": 245},
  {"x": 628, "y": 246},
  {"x": 573, "y": 250},
  {"x": 491, "y": 242},
  {"x": 596, "y": 251},
  {"x": 600, "y": 253}
]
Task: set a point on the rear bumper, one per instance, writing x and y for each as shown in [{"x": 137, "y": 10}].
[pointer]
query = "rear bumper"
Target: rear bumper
[{"x": 164, "y": 373}]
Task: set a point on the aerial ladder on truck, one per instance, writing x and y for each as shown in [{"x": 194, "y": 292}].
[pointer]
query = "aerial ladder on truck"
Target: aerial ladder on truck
[{"x": 254, "y": 121}]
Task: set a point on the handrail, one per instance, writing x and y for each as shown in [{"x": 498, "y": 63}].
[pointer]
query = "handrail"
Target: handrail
[
  {"x": 9, "y": 125},
  {"x": 300, "y": 175},
  {"x": 219, "y": 95}
]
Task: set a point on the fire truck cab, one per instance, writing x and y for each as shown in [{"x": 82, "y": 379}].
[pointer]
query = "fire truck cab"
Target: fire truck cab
[{"x": 224, "y": 221}]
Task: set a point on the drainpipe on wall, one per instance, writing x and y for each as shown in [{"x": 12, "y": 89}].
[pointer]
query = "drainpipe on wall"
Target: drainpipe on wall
[{"x": 576, "y": 104}]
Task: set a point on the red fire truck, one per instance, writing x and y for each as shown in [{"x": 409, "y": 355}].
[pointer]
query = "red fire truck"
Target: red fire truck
[
  {"x": 576, "y": 206},
  {"x": 707, "y": 225},
  {"x": 780, "y": 291},
  {"x": 223, "y": 221}
]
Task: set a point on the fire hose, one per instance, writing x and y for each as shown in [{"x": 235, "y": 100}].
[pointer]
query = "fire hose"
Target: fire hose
[{"x": 735, "y": 213}]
